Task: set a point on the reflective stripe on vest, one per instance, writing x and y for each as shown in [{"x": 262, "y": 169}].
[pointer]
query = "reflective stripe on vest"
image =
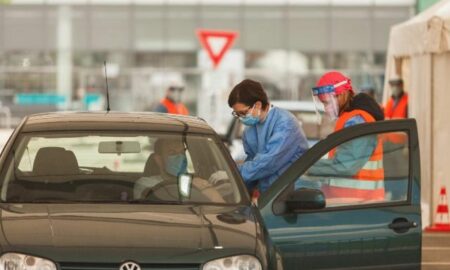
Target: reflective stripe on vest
[
  {"x": 357, "y": 183},
  {"x": 370, "y": 177},
  {"x": 399, "y": 111},
  {"x": 373, "y": 165}
]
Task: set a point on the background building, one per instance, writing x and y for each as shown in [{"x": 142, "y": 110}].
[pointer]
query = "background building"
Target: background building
[{"x": 52, "y": 51}]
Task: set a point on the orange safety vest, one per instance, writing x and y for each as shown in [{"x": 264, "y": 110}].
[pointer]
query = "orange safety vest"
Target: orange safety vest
[
  {"x": 368, "y": 182},
  {"x": 174, "y": 108},
  {"x": 399, "y": 111}
]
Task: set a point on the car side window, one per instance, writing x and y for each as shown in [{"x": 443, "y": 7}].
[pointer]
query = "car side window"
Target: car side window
[{"x": 364, "y": 170}]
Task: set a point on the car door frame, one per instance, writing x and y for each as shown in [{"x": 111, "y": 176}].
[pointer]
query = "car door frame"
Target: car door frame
[
  {"x": 409, "y": 126},
  {"x": 270, "y": 202}
]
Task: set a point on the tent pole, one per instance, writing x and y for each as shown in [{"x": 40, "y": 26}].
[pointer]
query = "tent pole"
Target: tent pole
[{"x": 433, "y": 184}]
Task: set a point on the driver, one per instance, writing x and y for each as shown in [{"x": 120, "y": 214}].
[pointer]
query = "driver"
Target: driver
[{"x": 170, "y": 158}]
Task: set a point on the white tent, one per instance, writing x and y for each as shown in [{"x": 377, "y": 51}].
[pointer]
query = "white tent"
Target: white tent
[{"x": 419, "y": 52}]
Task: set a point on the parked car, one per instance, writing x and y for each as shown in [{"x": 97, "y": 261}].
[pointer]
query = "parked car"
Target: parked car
[
  {"x": 98, "y": 191},
  {"x": 316, "y": 127}
]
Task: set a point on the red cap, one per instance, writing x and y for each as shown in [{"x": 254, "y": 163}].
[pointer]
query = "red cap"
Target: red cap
[{"x": 337, "y": 79}]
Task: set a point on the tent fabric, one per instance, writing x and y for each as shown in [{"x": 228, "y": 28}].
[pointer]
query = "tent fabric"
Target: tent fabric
[
  {"x": 429, "y": 32},
  {"x": 420, "y": 102},
  {"x": 440, "y": 146},
  {"x": 419, "y": 52}
]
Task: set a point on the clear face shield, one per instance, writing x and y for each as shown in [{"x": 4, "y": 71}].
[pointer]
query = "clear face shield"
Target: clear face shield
[{"x": 325, "y": 100}]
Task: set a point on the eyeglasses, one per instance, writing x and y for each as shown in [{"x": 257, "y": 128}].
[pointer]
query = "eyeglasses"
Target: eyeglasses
[{"x": 241, "y": 113}]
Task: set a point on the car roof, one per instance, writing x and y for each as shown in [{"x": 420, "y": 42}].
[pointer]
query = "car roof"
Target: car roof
[
  {"x": 114, "y": 121},
  {"x": 289, "y": 105}
]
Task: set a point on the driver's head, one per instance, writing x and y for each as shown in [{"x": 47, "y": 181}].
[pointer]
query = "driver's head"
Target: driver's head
[{"x": 171, "y": 156}]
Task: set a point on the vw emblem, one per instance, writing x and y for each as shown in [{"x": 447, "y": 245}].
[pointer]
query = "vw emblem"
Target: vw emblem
[{"x": 130, "y": 266}]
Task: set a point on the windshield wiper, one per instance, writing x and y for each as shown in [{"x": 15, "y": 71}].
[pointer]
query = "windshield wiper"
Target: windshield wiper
[
  {"x": 137, "y": 201},
  {"x": 146, "y": 201},
  {"x": 47, "y": 201}
]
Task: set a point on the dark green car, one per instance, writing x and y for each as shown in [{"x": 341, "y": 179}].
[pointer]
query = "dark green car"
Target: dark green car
[{"x": 136, "y": 191}]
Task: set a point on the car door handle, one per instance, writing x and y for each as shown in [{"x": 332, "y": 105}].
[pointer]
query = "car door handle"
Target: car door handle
[{"x": 402, "y": 225}]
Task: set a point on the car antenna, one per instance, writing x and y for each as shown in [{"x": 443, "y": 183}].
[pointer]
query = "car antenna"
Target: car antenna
[{"x": 107, "y": 90}]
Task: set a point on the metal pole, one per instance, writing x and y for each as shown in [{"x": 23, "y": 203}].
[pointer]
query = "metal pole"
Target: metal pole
[{"x": 64, "y": 36}]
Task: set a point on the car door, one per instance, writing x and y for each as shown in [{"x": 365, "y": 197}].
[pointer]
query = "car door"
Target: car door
[{"x": 316, "y": 229}]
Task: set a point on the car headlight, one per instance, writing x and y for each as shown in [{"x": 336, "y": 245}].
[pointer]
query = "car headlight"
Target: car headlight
[
  {"x": 16, "y": 261},
  {"x": 244, "y": 262}
]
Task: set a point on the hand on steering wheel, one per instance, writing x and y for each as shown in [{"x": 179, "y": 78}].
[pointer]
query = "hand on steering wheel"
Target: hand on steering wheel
[{"x": 218, "y": 178}]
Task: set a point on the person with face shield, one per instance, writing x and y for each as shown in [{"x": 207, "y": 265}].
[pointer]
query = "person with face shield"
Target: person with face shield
[
  {"x": 335, "y": 92},
  {"x": 273, "y": 138},
  {"x": 172, "y": 102},
  {"x": 397, "y": 105}
]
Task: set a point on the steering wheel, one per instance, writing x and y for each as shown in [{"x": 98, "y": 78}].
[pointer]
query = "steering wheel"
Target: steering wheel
[
  {"x": 149, "y": 192},
  {"x": 168, "y": 191}
]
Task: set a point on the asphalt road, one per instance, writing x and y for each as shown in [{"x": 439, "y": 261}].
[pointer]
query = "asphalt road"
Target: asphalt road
[{"x": 436, "y": 251}]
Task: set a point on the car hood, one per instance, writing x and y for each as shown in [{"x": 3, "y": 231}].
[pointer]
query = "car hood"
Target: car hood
[{"x": 117, "y": 233}]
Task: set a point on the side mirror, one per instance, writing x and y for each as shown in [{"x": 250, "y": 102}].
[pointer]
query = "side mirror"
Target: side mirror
[
  {"x": 305, "y": 199},
  {"x": 185, "y": 185}
]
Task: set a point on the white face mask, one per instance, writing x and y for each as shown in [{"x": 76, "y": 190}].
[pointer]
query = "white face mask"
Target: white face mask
[
  {"x": 175, "y": 96},
  {"x": 331, "y": 109},
  {"x": 396, "y": 90}
]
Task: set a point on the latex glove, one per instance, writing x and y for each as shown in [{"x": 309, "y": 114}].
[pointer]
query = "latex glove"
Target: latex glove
[{"x": 217, "y": 177}]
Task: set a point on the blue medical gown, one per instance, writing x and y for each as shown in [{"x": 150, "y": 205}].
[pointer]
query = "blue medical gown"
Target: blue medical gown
[{"x": 271, "y": 147}]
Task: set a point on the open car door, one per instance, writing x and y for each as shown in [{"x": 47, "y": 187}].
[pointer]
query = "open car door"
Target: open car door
[{"x": 327, "y": 211}]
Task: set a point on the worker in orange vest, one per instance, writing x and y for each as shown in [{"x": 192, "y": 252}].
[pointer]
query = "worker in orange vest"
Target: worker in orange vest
[
  {"x": 172, "y": 102},
  {"x": 397, "y": 105},
  {"x": 396, "y": 108},
  {"x": 354, "y": 169}
]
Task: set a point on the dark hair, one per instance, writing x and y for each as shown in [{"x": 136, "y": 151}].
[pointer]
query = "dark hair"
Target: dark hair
[
  {"x": 248, "y": 92},
  {"x": 347, "y": 106},
  {"x": 161, "y": 143}
]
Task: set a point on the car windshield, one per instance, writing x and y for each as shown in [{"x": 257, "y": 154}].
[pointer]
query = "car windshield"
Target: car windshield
[{"x": 118, "y": 168}]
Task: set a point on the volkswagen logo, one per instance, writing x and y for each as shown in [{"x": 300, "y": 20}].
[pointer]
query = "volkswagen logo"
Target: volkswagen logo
[{"x": 130, "y": 266}]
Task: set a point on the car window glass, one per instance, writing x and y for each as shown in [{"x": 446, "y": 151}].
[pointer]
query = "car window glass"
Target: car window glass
[
  {"x": 142, "y": 167},
  {"x": 84, "y": 146},
  {"x": 364, "y": 170},
  {"x": 314, "y": 130}
]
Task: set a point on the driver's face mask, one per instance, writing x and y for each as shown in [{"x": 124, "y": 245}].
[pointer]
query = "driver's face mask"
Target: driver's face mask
[
  {"x": 326, "y": 100},
  {"x": 176, "y": 164}
]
